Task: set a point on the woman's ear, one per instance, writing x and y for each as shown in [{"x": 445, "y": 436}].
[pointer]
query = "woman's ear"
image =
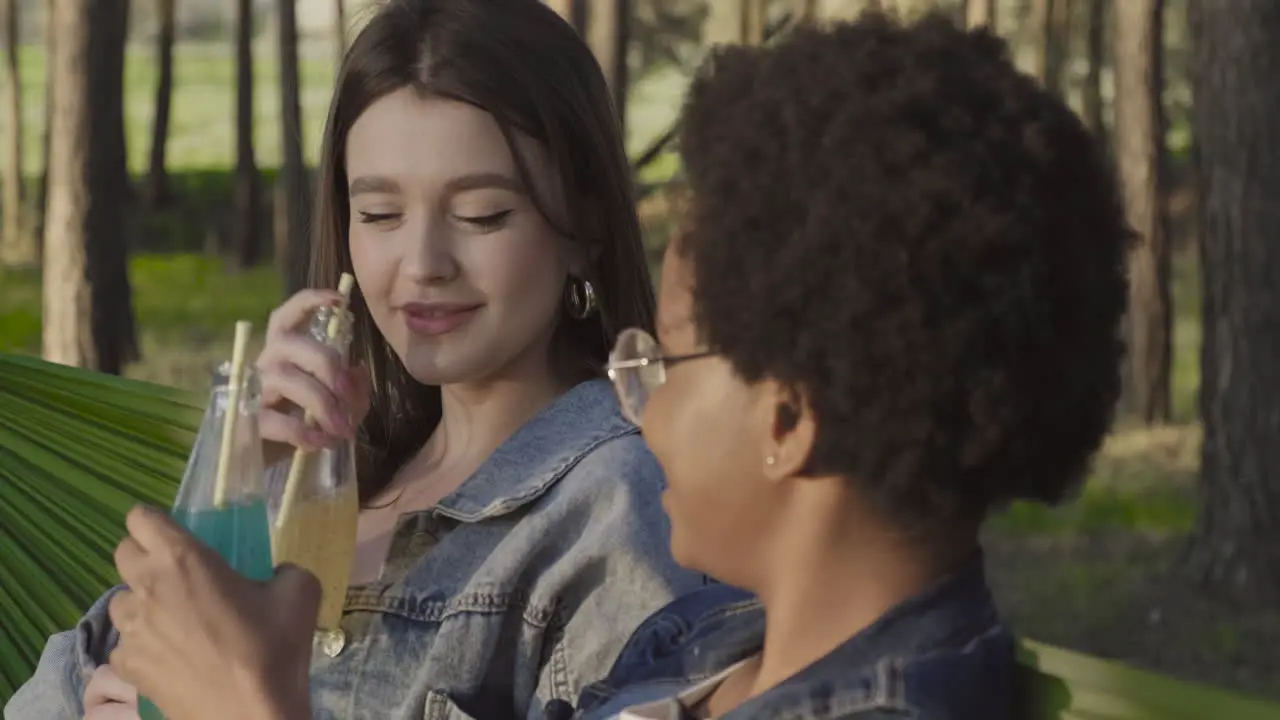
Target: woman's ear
[{"x": 790, "y": 430}]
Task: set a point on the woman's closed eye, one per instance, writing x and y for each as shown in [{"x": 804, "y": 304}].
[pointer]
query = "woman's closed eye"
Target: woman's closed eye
[
  {"x": 374, "y": 218},
  {"x": 485, "y": 223}
]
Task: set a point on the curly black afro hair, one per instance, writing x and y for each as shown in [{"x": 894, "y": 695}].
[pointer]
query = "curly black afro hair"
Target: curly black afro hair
[{"x": 923, "y": 243}]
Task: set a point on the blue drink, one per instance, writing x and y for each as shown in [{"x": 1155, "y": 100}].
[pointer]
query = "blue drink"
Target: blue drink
[
  {"x": 232, "y": 519},
  {"x": 238, "y": 532}
]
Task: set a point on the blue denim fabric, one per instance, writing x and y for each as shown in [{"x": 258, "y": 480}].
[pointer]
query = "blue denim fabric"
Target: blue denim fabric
[
  {"x": 527, "y": 582},
  {"x": 943, "y": 655}
]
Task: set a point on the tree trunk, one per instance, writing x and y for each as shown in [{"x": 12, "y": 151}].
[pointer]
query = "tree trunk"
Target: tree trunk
[
  {"x": 846, "y": 9},
  {"x": 88, "y": 313},
  {"x": 292, "y": 172},
  {"x": 340, "y": 31},
  {"x": 17, "y": 246},
  {"x": 980, "y": 13},
  {"x": 157, "y": 179},
  {"x": 1235, "y": 549},
  {"x": 1139, "y": 152},
  {"x": 1057, "y": 35},
  {"x": 607, "y": 34},
  {"x": 246, "y": 241},
  {"x": 42, "y": 189},
  {"x": 755, "y": 15},
  {"x": 566, "y": 9},
  {"x": 1091, "y": 105}
]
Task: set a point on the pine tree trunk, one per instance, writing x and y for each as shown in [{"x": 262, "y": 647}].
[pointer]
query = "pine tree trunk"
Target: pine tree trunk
[
  {"x": 17, "y": 246},
  {"x": 1091, "y": 105},
  {"x": 246, "y": 243},
  {"x": 1040, "y": 18},
  {"x": 340, "y": 31},
  {"x": 1236, "y": 59},
  {"x": 608, "y": 35},
  {"x": 88, "y": 313},
  {"x": 980, "y": 13},
  {"x": 157, "y": 178},
  {"x": 1139, "y": 151},
  {"x": 805, "y": 10},
  {"x": 42, "y": 189},
  {"x": 292, "y": 172},
  {"x": 1057, "y": 35}
]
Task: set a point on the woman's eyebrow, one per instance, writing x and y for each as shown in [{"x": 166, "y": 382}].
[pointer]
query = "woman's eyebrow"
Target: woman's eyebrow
[
  {"x": 477, "y": 181},
  {"x": 374, "y": 184},
  {"x": 382, "y": 185}
]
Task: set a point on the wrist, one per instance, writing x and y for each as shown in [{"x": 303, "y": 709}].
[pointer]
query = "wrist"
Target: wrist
[
  {"x": 277, "y": 706},
  {"x": 277, "y": 700}
]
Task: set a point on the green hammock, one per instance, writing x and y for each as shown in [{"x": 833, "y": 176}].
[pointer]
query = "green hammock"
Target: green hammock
[{"x": 78, "y": 449}]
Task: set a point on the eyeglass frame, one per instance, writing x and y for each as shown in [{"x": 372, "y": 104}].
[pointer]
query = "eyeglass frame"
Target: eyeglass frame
[{"x": 662, "y": 361}]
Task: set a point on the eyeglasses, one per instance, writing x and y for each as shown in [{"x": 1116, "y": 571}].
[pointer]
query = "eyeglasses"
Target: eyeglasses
[{"x": 637, "y": 368}]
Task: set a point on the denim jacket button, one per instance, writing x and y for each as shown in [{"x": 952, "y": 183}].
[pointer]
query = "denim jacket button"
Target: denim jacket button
[{"x": 331, "y": 642}]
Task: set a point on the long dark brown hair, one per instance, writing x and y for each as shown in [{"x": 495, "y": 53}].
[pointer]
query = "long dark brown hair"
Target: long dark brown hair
[{"x": 519, "y": 61}]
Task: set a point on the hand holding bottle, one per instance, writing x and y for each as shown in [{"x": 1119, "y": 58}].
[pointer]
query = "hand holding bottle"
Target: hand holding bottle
[
  {"x": 200, "y": 639},
  {"x": 299, "y": 372}
]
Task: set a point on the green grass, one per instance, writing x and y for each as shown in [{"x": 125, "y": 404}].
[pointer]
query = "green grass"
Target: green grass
[
  {"x": 202, "y": 119},
  {"x": 202, "y": 129},
  {"x": 186, "y": 306}
]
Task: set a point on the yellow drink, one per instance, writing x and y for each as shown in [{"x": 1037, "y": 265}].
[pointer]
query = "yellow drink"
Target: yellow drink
[{"x": 320, "y": 536}]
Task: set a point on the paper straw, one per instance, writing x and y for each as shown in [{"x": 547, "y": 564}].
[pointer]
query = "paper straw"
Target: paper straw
[
  {"x": 234, "y": 383},
  {"x": 300, "y": 456}
]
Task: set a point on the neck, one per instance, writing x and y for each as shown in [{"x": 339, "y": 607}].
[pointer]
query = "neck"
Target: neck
[
  {"x": 835, "y": 575},
  {"x": 476, "y": 418}
]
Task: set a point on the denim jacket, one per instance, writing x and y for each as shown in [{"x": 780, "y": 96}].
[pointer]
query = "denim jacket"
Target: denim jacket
[
  {"x": 519, "y": 588},
  {"x": 942, "y": 655}
]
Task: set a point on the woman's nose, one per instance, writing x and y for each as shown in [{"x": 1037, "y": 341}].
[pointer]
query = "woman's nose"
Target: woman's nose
[{"x": 429, "y": 256}]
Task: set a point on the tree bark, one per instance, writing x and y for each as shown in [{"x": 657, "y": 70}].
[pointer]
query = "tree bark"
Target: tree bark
[
  {"x": 157, "y": 178},
  {"x": 340, "y": 31},
  {"x": 17, "y": 246},
  {"x": 980, "y": 13},
  {"x": 1235, "y": 548},
  {"x": 1139, "y": 152},
  {"x": 88, "y": 313},
  {"x": 1057, "y": 35},
  {"x": 608, "y": 35},
  {"x": 1091, "y": 101},
  {"x": 292, "y": 172},
  {"x": 805, "y": 10},
  {"x": 42, "y": 189},
  {"x": 246, "y": 243}
]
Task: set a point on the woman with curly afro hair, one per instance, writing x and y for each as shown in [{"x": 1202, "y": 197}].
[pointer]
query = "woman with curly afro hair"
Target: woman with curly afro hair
[{"x": 895, "y": 309}]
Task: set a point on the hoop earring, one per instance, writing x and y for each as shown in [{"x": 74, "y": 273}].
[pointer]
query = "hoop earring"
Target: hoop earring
[{"x": 580, "y": 298}]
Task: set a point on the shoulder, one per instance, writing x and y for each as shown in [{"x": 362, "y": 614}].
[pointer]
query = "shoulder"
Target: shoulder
[
  {"x": 690, "y": 638},
  {"x": 621, "y": 461},
  {"x": 961, "y": 680}
]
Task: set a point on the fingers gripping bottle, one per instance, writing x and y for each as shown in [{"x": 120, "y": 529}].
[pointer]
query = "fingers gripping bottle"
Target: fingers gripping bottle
[
  {"x": 314, "y": 515},
  {"x": 221, "y": 500}
]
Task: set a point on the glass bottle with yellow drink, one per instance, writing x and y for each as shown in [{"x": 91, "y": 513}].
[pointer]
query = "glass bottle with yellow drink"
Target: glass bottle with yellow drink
[{"x": 314, "y": 511}]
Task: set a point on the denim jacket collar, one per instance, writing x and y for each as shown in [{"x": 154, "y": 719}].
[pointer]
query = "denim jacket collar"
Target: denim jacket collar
[
  {"x": 949, "y": 614},
  {"x": 539, "y": 453},
  {"x": 701, "y": 634}
]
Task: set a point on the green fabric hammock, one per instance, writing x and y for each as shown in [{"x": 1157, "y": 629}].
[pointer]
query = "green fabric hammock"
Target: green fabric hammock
[{"x": 77, "y": 450}]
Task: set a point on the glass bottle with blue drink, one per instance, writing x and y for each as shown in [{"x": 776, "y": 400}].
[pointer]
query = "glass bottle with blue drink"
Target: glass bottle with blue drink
[{"x": 229, "y": 516}]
